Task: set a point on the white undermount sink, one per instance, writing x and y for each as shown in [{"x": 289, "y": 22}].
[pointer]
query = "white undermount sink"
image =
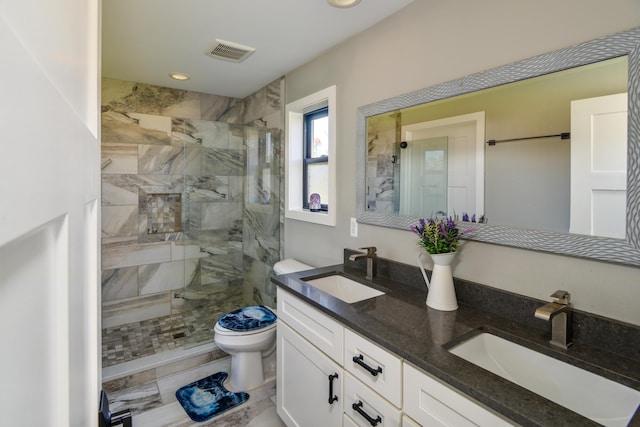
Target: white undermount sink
[
  {"x": 344, "y": 288},
  {"x": 595, "y": 397}
]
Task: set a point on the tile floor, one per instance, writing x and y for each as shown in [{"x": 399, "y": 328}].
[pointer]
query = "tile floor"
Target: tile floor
[
  {"x": 150, "y": 393},
  {"x": 144, "y": 363},
  {"x": 131, "y": 341}
]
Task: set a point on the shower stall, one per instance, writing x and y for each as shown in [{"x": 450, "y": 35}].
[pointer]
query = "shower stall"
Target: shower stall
[{"x": 190, "y": 228}]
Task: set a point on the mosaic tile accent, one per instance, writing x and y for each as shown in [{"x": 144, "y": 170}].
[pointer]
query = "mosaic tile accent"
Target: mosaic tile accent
[
  {"x": 139, "y": 339},
  {"x": 164, "y": 213},
  {"x": 192, "y": 324}
]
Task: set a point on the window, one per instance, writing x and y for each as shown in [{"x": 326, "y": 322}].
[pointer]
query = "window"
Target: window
[
  {"x": 310, "y": 157},
  {"x": 315, "y": 172}
]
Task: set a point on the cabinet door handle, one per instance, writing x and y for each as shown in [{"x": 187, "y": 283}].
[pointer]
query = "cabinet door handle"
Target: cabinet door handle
[
  {"x": 332, "y": 398},
  {"x": 358, "y": 408},
  {"x": 359, "y": 359}
]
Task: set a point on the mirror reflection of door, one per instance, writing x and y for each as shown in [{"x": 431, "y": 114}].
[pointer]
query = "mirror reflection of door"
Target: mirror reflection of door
[
  {"x": 599, "y": 166},
  {"x": 464, "y": 167},
  {"x": 424, "y": 165}
]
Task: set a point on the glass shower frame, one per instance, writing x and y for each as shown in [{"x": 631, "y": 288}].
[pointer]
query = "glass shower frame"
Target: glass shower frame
[{"x": 231, "y": 222}]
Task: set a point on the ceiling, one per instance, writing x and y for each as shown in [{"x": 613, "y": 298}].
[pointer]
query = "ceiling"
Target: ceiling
[{"x": 146, "y": 40}]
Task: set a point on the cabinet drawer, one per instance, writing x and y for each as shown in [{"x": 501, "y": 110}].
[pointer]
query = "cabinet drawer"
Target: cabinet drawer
[
  {"x": 431, "y": 402},
  {"x": 316, "y": 327},
  {"x": 386, "y": 375},
  {"x": 370, "y": 403},
  {"x": 408, "y": 422},
  {"x": 348, "y": 422}
]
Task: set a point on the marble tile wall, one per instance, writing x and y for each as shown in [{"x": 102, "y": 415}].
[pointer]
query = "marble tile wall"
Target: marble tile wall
[
  {"x": 165, "y": 143},
  {"x": 381, "y": 179}
]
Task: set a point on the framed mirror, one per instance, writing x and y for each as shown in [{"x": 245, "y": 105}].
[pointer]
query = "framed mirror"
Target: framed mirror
[{"x": 401, "y": 118}]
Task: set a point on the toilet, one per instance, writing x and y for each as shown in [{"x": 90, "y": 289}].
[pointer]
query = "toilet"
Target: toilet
[{"x": 248, "y": 334}]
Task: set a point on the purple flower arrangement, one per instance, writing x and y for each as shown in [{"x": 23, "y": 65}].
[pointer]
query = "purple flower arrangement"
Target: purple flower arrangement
[
  {"x": 438, "y": 235},
  {"x": 466, "y": 218}
]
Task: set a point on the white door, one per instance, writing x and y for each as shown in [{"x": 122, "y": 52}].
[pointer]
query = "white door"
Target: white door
[
  {"x": 306, "y": 380},
  {"x": 423, "y": 177},
  {"x": 465, "y": 158},
  {"x": 599, "y": 166},
  {"x": 49, "y": 189}
]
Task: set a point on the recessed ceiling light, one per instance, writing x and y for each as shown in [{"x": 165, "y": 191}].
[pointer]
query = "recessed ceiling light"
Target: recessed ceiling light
[
  {"x": 343, "y": 3},
  {"x": 180, "y": 76}
]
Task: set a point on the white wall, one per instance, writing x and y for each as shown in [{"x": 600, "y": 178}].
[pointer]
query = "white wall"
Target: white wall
[
  {"x": 50, "y": 187},
  {"x": 430, "y": 42}
]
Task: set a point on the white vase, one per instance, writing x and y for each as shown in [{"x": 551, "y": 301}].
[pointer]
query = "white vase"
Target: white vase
[{"x": 442, "y": 293}]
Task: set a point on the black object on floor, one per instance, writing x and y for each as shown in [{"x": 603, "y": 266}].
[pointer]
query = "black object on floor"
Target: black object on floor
[{"x": 107, "y": 419}]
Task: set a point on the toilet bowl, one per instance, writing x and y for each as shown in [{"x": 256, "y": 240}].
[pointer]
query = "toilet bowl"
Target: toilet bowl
[{"x": 249, "y": 335}]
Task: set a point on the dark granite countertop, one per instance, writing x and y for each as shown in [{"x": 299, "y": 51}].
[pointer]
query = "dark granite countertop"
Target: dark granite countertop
[{"x": 400, "y": 322}]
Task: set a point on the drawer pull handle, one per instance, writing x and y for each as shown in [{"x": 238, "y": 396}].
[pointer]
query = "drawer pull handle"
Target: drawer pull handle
[
  {"x": 332, "y": 398},
  {"x": 359, "y": 359},
  {"x": 358, "y": 408}
]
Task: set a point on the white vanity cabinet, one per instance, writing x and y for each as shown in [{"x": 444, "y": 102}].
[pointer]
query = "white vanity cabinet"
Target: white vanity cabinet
[
  {"x": 330, "y": 376},
  {"x": 430, "y": 402},
  {"x": 309, "y": 365},
  {"x": 309, "y": 383},
  {"x": 408, "y": 422}
]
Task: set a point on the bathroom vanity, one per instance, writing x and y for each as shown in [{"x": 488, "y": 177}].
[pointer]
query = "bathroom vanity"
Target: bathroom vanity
[
  {"x": 335, "y": 377},
  {"x": 386, "y": 360}
]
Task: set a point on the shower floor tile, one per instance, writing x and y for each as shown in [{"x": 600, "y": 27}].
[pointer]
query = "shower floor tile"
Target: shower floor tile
[{"x": 140, "y": 339}]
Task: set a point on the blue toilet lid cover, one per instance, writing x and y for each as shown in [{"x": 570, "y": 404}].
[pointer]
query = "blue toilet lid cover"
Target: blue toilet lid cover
[{"x": 248, "y": 318}]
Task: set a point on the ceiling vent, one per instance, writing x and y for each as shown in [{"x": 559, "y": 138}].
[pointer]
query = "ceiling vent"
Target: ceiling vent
[{"x": 230, "y": 51}]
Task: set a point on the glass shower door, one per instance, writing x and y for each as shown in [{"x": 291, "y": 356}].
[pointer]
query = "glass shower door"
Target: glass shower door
[
  {"x": 231, "y": 222},
  {"x": 213, "y": 205}
]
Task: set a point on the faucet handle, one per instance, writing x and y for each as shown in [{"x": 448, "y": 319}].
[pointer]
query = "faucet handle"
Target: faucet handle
[
  {"x": 371, "y": 250},
  {"x": 561, "y": 297}
]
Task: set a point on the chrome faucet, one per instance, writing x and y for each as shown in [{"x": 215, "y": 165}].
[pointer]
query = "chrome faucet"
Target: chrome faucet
[
  {"x": 372, "y": 259},
  {"x": 558, "y": 312}
]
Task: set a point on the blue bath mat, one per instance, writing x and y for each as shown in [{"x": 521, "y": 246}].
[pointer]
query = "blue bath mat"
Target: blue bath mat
[{"x": 206, "y": 398}]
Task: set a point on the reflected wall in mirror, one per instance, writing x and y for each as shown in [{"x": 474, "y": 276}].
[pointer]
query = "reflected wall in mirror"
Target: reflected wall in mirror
[
  {"x": 532, "y": 190},
  {"x": 527, "y": 180}
]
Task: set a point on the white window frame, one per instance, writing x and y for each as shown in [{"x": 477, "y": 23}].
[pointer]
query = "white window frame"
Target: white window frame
[{"x": 294, "y": 154}]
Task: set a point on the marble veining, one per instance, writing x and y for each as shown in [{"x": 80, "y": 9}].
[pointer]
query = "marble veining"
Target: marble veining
[
  {"x": 191, "y": 253},
  {"x": 155, "y": 278},
  {"x": 208, "y": 188},
  {"x": 223, "y": 162},
  {"x": 119, "y": 283},
  {"x": 122, "y": 128},
  {"x": 124, "y": 158},
  {"x": 118, "y": 95},
  {"x": 154, "y": 160},
  {"x": 118, "y": 221},
  {"x": 207, "y": 134},
  {"x": 221, "y": 109}
]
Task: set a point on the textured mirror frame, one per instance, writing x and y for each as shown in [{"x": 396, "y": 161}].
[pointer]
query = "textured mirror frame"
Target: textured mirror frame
[{"x": 623, "y": 251}]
